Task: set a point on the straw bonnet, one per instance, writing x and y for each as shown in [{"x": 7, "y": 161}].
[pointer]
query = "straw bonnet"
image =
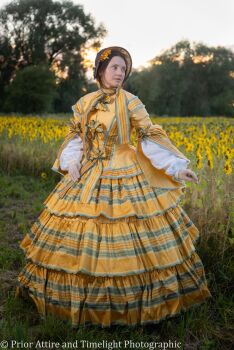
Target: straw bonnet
[{"x": 107, "y": 54}]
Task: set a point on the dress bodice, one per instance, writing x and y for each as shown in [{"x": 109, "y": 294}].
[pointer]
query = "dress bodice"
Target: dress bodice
[
  {"x": 104, "y": 117},
  {"x": 104, "y": 143},
  {"x": 107, "y": 149}
]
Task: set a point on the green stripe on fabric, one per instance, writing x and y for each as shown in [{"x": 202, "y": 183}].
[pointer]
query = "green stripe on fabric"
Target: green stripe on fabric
[
  {"x": 132, "y": 99},
  {"x": 109, "y": 129},
  {"x": 110, "y": 306},
  {"x": 143, "y": 217},
  {"x": 137, "y": 184},
  {"x": 123, "y": 176},
  {"x": 141, "y": 106},
  {"x": 102, "y": 198},
  {"x": 119, "y": 187},
  {"x": 132, "y": 166},
  {"x": 120, "y": 253},
  {"x": 99, "y": 291},
  {"x": 84, "y": 271},
  {"x": 126, "y": 112},
  {"x": 95, "y": 238}
]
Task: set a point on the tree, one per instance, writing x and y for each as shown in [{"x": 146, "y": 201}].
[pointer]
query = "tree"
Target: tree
[
  {"x": 32, "y": 91},
  {"x": 34, "y": 32}
]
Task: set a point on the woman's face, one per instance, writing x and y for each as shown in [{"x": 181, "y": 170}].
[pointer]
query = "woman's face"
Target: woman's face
[{"x": 114, "y": 74}]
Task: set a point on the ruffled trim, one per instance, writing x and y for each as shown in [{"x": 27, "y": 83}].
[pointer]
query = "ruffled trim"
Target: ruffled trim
[
  {"x": 113, "y": 197},
  {"x": 128, "y": 300},
  {"x": 119, "y": 248}
]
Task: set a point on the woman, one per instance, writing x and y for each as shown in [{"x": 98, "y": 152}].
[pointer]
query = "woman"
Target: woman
[{"x": 112, "y": 245}]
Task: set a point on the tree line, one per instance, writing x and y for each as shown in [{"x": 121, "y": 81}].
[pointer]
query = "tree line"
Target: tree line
[
  {"x": 42, "y": 68},
  {"x": 188, "y": 80}
]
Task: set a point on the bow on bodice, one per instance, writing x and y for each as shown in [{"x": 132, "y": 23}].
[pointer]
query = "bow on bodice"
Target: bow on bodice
[
  {"x": 102, "y": 104},
  {"x": 99, "y": 147},
  {"x": 95, "y": 137}
]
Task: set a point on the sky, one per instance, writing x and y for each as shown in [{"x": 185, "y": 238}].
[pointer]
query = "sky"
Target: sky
[{"x": 147, "y": 27}]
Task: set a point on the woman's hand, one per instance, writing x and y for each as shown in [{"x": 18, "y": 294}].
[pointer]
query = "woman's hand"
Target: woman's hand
[
  {"x": 74, "y": 170},
  {"x": 188, "y": 175}
]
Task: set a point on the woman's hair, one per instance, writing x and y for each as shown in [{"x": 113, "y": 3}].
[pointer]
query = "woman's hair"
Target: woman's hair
[{"x": 103, "y": 64}]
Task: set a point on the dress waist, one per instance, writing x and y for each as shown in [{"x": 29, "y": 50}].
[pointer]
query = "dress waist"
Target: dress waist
[{"x": 118, "y": 157}]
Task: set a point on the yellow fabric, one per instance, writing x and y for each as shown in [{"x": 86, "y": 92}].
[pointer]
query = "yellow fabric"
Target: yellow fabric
[
  {"x": 77, "y": 264},
  {"x": 130, "y": 113},
  {"x": 59, "y": 205}
]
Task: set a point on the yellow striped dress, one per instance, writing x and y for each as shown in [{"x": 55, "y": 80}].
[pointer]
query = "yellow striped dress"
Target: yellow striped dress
[{"x": 124, "y": 255}]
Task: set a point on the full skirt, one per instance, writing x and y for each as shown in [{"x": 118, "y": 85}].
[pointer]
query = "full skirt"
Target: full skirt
[{"x": 125, "y": 258}]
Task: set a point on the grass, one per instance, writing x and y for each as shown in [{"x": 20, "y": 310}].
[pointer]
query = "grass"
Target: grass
[{"x": 206, "y": 326}]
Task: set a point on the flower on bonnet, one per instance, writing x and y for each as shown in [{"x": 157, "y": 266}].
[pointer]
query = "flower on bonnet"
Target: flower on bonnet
[{"x": 105, "y": 55}]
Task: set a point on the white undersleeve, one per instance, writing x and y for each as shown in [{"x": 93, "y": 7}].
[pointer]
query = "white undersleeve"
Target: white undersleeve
[
  {"x": 73, "y": 151},
  {"x": 162, "y": 158}
]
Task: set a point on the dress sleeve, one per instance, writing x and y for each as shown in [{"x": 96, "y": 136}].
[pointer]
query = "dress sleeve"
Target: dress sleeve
[
  {"x": 77, "y": 109},
  {"x": 71, "y": 149},
  {"x": 155, "y": 142},
  {"x": 72, "y": 152}
]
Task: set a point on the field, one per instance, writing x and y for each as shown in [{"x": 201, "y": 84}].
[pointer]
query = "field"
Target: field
[{"x": 28, "y": 147}]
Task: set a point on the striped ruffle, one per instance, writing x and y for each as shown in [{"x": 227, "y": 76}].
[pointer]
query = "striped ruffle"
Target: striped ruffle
[
  {"x": 134, "y": 299},
  {"x": 117, "y": 248},
  {"x": 118, "y": 194}
]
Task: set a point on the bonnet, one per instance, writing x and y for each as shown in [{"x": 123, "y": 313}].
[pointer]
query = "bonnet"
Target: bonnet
[{"x": 107, "y": 54}]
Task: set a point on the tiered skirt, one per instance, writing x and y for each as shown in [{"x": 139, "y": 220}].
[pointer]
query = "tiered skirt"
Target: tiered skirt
[{"x": 125, "y": 258}]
